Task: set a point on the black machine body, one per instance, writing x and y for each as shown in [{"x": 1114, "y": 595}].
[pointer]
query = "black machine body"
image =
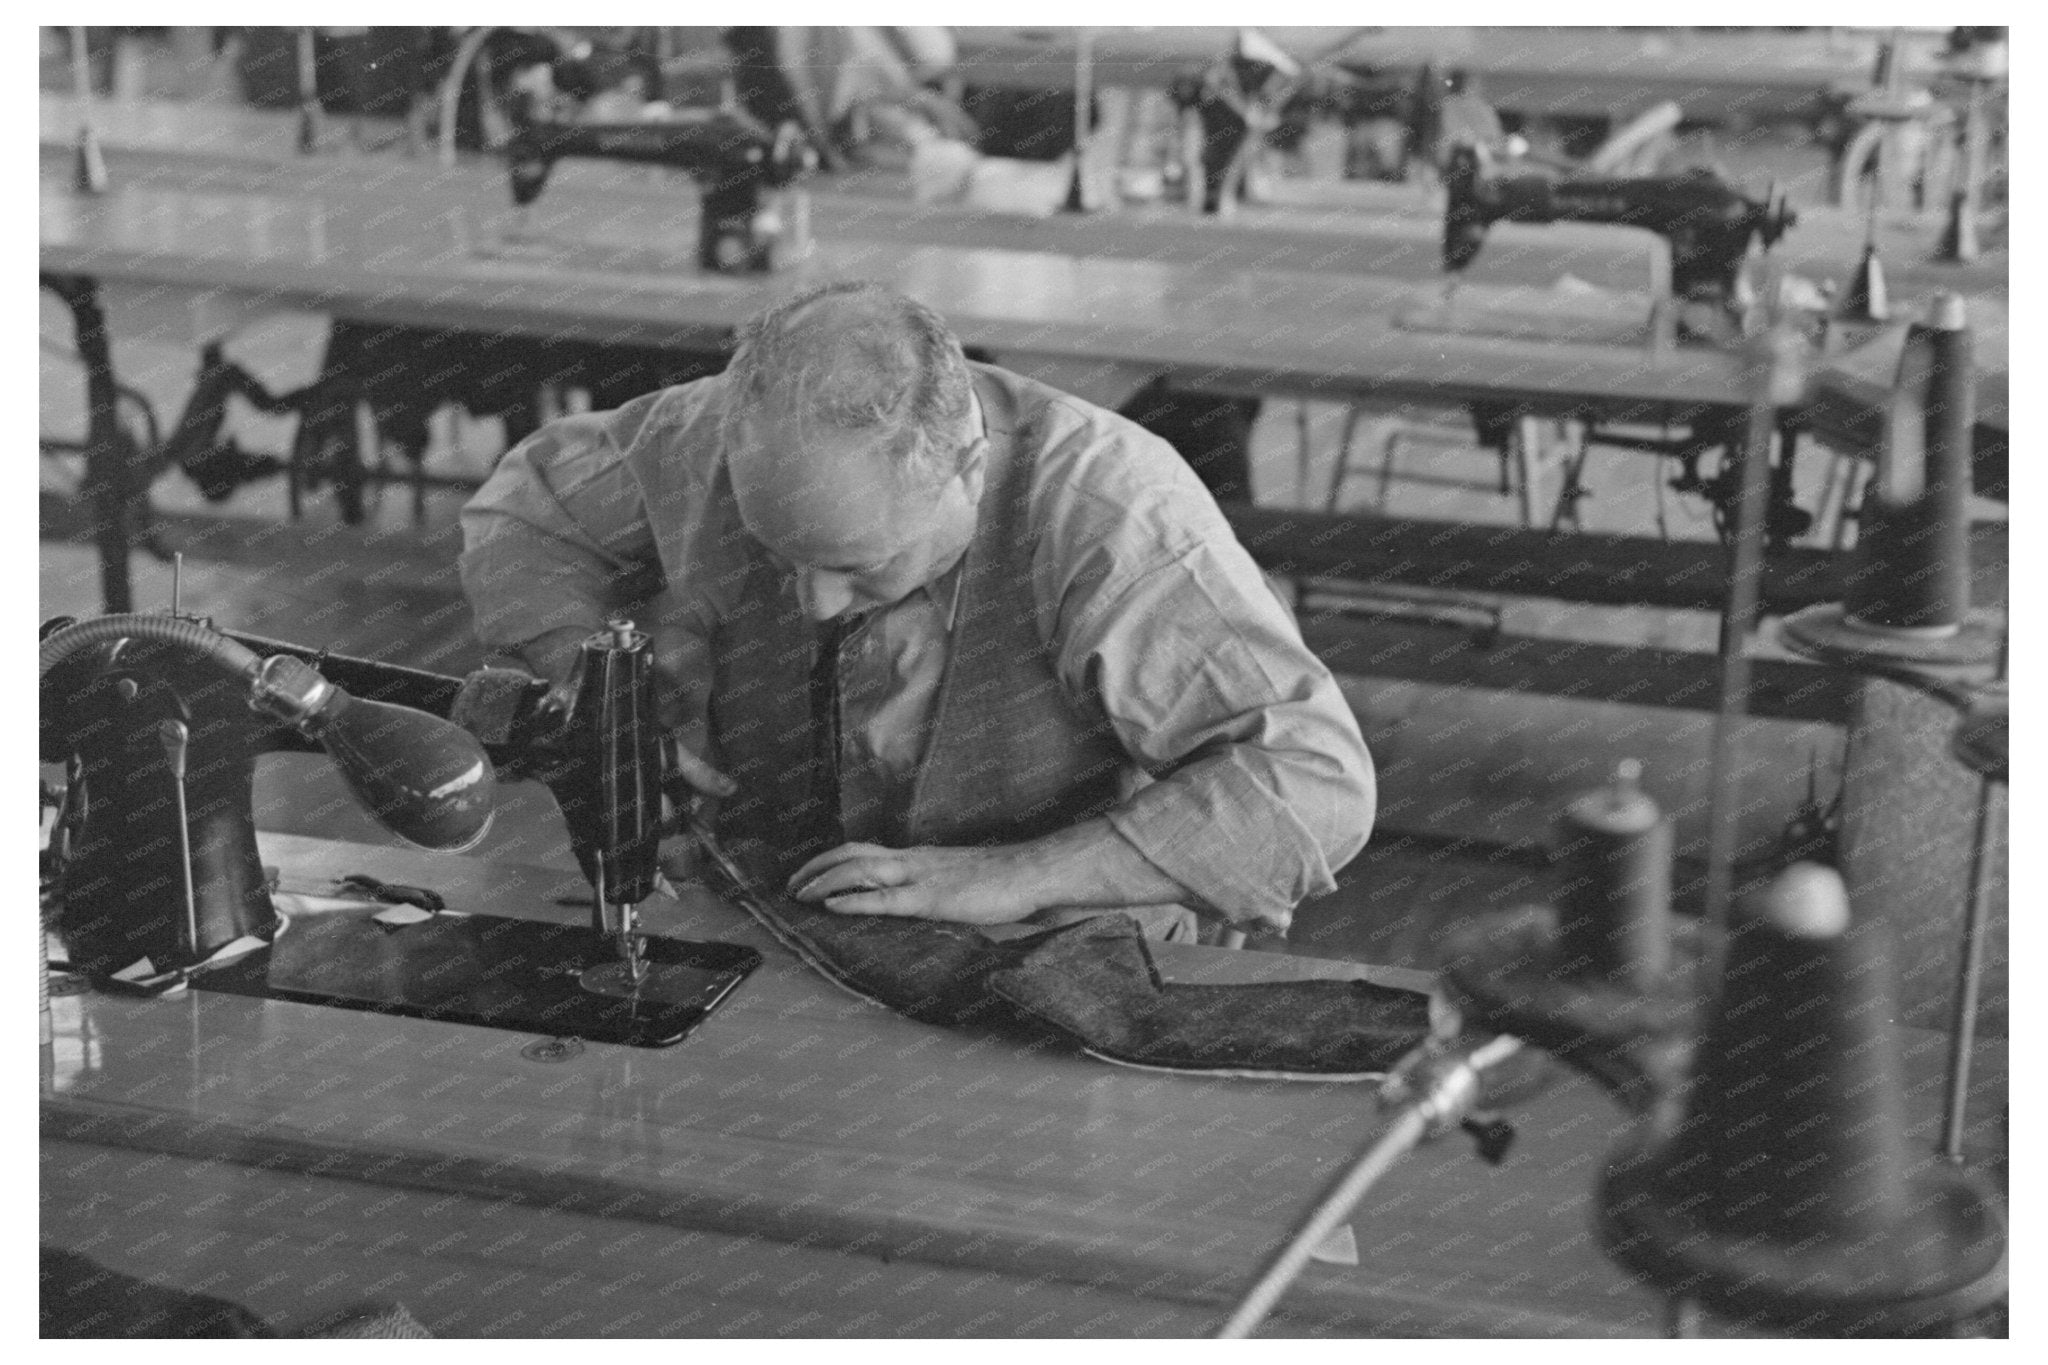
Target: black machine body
[
  {"x": 1708, "y": 222},
  {"x": 134, "y": 722},
  {"x": 738, "y": 165}
]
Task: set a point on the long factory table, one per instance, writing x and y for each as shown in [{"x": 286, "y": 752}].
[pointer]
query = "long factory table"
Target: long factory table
[
  {"x": 804, "y": 1164},
  {"x": 1395, "y": 235},
  {"x": 336, "y": 237},
  {"x": 209, "y": 147},
  {"x": 1354, "y": 227}
]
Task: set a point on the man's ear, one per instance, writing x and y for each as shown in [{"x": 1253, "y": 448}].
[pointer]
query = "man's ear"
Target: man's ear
[{"x": 974, "y": 471}]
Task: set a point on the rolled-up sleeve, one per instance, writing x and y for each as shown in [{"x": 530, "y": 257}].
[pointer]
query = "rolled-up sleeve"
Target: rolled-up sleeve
[
  {"x": 1264, "y": 786},
  {"x": 558, "y": 536}
]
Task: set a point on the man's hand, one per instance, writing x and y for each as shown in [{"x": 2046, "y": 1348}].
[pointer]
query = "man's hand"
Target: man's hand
[
  {"x": 1086, "y": 866},
  {"x": 965, "y": 885}
]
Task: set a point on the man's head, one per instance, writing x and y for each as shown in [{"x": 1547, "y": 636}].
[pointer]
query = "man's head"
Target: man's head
[{"x": 853, "y": 446}]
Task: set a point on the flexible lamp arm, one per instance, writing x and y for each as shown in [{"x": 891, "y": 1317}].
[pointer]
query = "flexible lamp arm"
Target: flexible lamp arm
[{"x": 426, "y": 779}]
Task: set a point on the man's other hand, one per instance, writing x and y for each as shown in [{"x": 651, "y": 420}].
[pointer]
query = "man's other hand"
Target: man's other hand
[{"x": 964, "y": 885}]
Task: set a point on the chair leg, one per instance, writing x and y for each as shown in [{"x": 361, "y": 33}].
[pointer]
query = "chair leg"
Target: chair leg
[
  {"x": 1342, "y": 472},
  {"x": 1855, "y": 483},
  {"x": 1529, "y": 447},
  {"x": 1301, "y": 453},
  {"x": 1573, "y": 489},
  {"x": 1388, "y": 471}
]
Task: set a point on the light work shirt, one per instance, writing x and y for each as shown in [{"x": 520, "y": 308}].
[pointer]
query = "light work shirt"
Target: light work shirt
[{"x": 1261, "y": 787}]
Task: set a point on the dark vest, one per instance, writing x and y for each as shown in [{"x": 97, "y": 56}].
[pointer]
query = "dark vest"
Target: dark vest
[{"x": 1011, "y": 755}]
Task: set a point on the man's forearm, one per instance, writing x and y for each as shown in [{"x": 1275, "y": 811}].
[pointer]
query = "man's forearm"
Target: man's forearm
[
  {"x": 1093, "y": 865},
  {"x": 1087, "y": 866}
]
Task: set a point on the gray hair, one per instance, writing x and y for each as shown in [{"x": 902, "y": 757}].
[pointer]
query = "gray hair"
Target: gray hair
[{"x": 858, "y": 358}]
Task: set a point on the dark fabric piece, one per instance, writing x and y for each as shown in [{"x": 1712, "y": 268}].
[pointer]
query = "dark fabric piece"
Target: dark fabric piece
[
  {"x": 1103, "y": 991},
  {"x": 82, "y": 1298},
  {"x": 927, "y": 970},
  {"x": 1092, "y": 984}
]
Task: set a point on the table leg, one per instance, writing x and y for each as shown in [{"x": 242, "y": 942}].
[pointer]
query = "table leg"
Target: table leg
[{"x": 108, "y": 482}]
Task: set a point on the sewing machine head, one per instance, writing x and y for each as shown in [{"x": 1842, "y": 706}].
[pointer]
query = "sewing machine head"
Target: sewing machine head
[
  {"x": 154, "y": 854},
  {"x": 739, "y": 166},
  {"x": 1708, "y": 222}
]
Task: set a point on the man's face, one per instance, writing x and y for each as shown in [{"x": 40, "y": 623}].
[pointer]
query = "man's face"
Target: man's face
[{"x": 830, "y": 508}]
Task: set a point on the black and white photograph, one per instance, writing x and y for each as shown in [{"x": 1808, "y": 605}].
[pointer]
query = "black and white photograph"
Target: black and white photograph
[{"x": 1087, "y": 683}]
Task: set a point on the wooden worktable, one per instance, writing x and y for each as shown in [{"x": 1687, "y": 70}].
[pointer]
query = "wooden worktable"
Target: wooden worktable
[
  {"x": 804, "y": 1164},
  {"x": 799, "y": 1132},
  {"x": 1401, "y": 237},
  {"x": 1395, "y": 237},
  {"x": 1349, "y": 226},
  {"x": 358, "y": 240}
]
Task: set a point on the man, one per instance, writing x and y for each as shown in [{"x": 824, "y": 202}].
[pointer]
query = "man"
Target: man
[{"x": 960, "y": 646}]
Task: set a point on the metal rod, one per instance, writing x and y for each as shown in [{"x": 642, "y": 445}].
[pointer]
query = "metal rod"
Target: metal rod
[
  {"x": 1969, "y": 978},
  {"x": 1745, "y": 575},
  {"x": 177, "y": 581},
  {"x": 174, "y": 737},
  {"x": 1409, "y": 1129},
  {"x": 1446, "y": 1100},
  {"x": 1084, "y": 99},
  {"x": 451, "y": 88},
  {"x": 1970, "y": 970},
  {"x": 309, "y": 89},
  {"x": 81, "y": 74}
]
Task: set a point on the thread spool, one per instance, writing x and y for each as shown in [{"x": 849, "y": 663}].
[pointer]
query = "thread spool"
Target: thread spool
[
  {"x": 1614, "y": 894},
  {"x": 1587, "y": 981},
  {"x": 1915, "y": 574},
  {"x": 1908, "y": 598},
  {"x": 1788, "y": 1196}
]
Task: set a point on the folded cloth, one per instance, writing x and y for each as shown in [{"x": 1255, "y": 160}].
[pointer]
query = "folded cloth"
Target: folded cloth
[
  {"x": 1092, "y": 984},
  {"x": 1101, "y": 989}
]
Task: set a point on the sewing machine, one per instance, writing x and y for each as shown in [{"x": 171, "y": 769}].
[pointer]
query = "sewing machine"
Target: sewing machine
[
  {"x": 153, "y": 863},
  {"x": 741, "y": 168},
  {"x": 1709, "y": 223}
]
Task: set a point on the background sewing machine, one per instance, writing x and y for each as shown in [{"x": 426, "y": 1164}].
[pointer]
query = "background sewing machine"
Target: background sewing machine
[
  {"x": 1710, "y": 225},
  {"x": 751, "y": 220},
  {"x": 153, "y": 864}
]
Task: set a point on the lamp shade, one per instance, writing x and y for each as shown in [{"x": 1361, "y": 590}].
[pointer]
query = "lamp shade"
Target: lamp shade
[{"x": 427, "y": 780}]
